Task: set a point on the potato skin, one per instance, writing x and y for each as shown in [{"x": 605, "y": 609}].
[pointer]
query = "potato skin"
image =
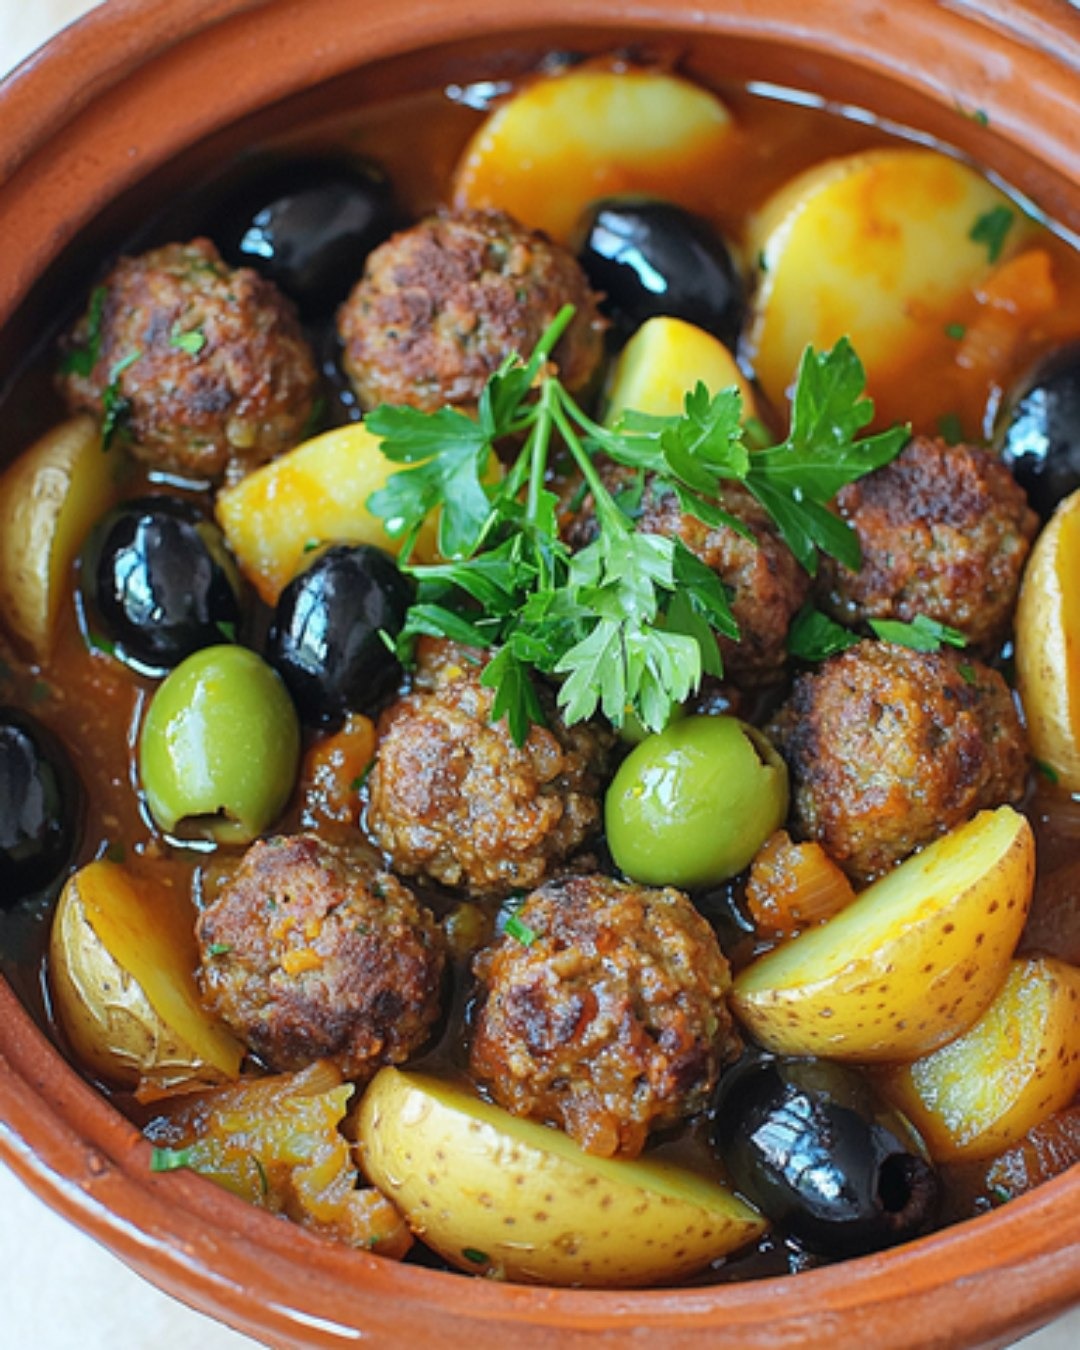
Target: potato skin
[
  {"x": 911, "y": 963},
  {"x": 1048, "y": 645},
  {"x": 984, "y": 1092},
  {"x": 507, "y": 1197},
  {"x": 49, "y": 498},
  {"x": 121, "y": 966}
]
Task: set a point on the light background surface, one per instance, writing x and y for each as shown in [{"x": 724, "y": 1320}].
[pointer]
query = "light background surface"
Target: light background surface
[{"x": 60, "y": 1290}]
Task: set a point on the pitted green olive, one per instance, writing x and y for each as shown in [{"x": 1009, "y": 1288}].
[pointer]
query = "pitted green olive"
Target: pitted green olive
[
  {"x": 691, "y": 805},
  {"x": 220, "y": 746}
]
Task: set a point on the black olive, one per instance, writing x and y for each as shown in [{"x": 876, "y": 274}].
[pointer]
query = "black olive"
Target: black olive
[
  {"x": 813, "y": 1145},
  {"x": 651, "y": 257},
  {"x": 1039, "y": 433},
  {"x": 158, "y": 580},
  {"x": 40, "y": 806},
  {"x": 325, "y": 639},
  {"x": 308, "y": 225}
]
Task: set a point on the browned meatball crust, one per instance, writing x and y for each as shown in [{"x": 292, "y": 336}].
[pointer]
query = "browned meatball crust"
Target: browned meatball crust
[
  {"x": 767, "y": 585},
  {"x": 610, "y": 1019},
  {"x": 945, "y": 531},
  {"x": 441, "y": 305},
  {"x": 311, "y": 952},
  {"x": 209, "y": 364},
  {"x": 889, "y": 748},
  {"x": 452, "y": 798}
]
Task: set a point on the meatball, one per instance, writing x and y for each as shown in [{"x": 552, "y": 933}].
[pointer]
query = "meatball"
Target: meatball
[
  {"x": 440, "y": 306},
  {"x": 766, "y": 584},
  {"x": 609, "y": 1019},
  {"x": 312, "y": 952},
  {"x": 452, "y": 798},
  {"x": 944, "y": 530},
  {"x": 204, "y": 368},
  {"x": 890, "y": 747}
]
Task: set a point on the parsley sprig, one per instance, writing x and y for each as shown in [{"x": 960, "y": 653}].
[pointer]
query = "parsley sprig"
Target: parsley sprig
[{"x": 627, "y": 625}]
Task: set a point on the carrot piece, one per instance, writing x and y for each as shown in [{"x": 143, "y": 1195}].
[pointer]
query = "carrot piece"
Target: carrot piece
[
  {"x": 794, "y": 886},
  {"x": 1015, "y": 294},
  {"x": 334, "y": 772}
]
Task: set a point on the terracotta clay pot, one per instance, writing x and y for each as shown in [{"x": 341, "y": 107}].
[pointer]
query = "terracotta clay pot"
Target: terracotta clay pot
[{"x": 116, "y": 111}]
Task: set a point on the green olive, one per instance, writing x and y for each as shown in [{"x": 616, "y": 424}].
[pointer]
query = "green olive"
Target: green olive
[
  {"x": 691, "y": 805},
  {"x": 220, "y": 746}
]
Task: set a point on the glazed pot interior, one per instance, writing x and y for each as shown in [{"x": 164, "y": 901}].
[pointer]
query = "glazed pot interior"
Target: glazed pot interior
[{"x": 101, "y": 169}]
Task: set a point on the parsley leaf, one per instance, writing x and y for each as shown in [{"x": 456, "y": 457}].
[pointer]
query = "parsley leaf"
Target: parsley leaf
[
  {"x": 991, "y": 229},
  {"x": 814, "y": 636},
  {"x": 923, "y": 634},
  {"x": 821, "y": 454}
]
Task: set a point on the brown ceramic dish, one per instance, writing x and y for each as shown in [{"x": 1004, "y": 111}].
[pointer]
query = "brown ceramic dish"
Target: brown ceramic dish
[{"x": 115, "y": 112}]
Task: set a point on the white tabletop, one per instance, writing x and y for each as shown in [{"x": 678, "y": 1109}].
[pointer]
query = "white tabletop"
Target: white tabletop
[{"x": 61, "y": 1291}]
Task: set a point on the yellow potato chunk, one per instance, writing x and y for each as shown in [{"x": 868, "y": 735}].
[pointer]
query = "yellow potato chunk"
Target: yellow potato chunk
[
  {"x": 911, "y": 963},
  {"x": 499, "y": 1195},
  {"x": 566, "y": 140},
  {"x": 122, "y": 962},
  {"x": 1048, "y": 644},
  {"x": 876, "y": 247},
  {"x": 49, "y": 498},
  {"x": 1018, "y": 1064},
  {"x": 314, "y": 494},
  {"x": 665, "y": 359}
]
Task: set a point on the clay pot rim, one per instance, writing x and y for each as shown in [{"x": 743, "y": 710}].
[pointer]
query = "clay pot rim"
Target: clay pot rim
[{"x": 87, "y": 1161}]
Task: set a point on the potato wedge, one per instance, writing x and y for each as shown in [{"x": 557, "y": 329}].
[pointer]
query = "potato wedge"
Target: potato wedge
[
  {"x": 568, "y": 139},
  {"x": 665, "y": 359},
  {"x": 316, "y": 493},
  {"x": 49, "y": 498},
  {"x": 122, "y": 957},
  {"x": 493, "y": 1193},
  {"x": 911, "y": 963},
  {"x": 877, "y": 247},
  {"x": 982, "y": 1093},
  {"x": 1048, "y": 644}
]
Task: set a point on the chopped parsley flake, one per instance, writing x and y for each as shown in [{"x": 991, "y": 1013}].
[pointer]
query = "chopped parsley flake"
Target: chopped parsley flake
[
  {"x": 115, "y": 406},
  {"x": 519, "y": 931},
  {"x": 170, "y": 1159},
  {"x": 950, "y": 428},
  {"x": 192, "y": 342},
  {"x": 1048, "y": 771},
  {"x": 219, "y": 949},
  {"x": 82, "y": 360},
  {"x": 955, "y": 331},
  {"x": 991, "y": 229},
  {"x": 476, "y": 1256}
]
